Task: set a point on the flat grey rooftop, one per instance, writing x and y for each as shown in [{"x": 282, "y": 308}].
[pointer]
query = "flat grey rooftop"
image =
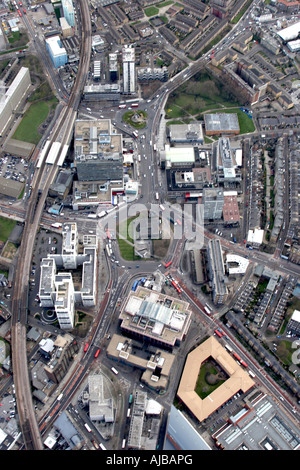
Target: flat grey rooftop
[{"x": 221, "y": 122}]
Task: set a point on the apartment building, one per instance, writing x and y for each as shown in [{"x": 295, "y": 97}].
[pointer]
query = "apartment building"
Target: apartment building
[
  {"x": 217, "y": 272},
  {"x": 57, "y": 289},
  {"x": 13, "y": 96},
  {"x": 68, "y": 11},
  {"x": 129, "y": 72}
]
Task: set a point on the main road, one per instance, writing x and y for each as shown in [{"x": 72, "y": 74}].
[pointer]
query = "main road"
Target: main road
[{"x": 44, "y": 175}]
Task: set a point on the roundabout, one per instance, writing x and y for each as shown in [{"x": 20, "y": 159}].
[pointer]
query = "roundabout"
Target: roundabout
[{"x": 136, "y": 119}]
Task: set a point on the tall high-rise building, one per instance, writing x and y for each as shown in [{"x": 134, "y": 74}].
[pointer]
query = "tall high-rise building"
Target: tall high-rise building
[
  {"x": 11, "y": 98},
  {"x": 70, "y": 246},
  {"x": 129, "y": 78},
  {"x": 56, "y": 51},
  {"x": 68, "y": 10},
  {"x": 64, "y": 302},
  {"x": 57, "y": 288},
  {"x": 217, "y": 272},
  {"x": 113, "y": 67}
]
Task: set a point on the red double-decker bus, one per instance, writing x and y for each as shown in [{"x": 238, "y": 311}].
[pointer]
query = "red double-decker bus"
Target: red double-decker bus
[
  {"x": 97, "y": 352},
  {"x": 218, "y": 333}
]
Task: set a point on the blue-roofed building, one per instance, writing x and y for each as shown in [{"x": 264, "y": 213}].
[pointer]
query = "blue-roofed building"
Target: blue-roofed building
[
  {"x": 181, "y": 435},
  {"x": 56, "y": 51},
  {"x": 68, "y": 10},
  {"x": 68, "y": 431}
]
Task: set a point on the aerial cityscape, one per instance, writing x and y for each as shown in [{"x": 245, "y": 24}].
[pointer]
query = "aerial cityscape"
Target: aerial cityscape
[{"x": 149, "y": 226}]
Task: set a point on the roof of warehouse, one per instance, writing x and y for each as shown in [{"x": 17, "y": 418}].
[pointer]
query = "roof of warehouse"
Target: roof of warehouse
[
  {"x": 221, "y": 122},
  {"x": 181, "y": 434}
]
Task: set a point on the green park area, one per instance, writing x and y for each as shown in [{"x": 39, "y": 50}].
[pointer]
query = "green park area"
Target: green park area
[
  {"x": 200, "y": 95},
  {"x": 42, "y": 103},
  {"x": 6, "y": 226},
  {"x": 33, "y": 118},
  {"x": 154, "y": 10},
  {"x": 151, "y": 11}
]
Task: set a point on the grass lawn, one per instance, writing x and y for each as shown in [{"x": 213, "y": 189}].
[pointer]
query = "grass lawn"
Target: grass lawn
[
  {"x": 128, "y": 117},
  {"x": 246, "y": 123},
  {"x": 165, "y": 4},
  {"x": 6, "y": 226},
  {"x": 285, "y": 352},
  {"x": 151, "y": 11},
  {"x": 15, "y": 36},
  {"x": 197, "y": 96},
  {"x": 175, "y": 111},
  {"x": 127, "y": 249},
  {"x": 33, "y": 118},
  {"x": 203, "y": 388}
]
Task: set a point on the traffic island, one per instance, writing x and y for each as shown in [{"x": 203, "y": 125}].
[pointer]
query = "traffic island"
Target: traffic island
[{"x": 136, "y": 119}]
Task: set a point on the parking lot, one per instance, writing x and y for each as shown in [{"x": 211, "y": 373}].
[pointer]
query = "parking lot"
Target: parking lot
[
  {"x": 47, "y": 242},
  {"x": 14, "y": 168}
]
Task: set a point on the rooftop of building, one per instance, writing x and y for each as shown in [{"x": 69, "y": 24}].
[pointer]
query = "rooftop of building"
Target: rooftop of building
[
  {"x": 155, "y": 315},
  {"x": 156, "y": 368},
  {"x": 181, "y": 434},
  {"x": 238, "y": 379},
  {"x": 55, "y": 45},
  {"x": 221, "y": 122},
  {"x": 259, "y": 425},
  {"x": 96, "y": 139},
  {"x": 186, "y": 132},
  {"x": 179, "y": 154},
  {"x": 231, "y": 212}
]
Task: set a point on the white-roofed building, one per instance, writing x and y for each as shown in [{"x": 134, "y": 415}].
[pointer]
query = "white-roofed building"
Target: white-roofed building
[
  {"x": 294, "y": 46},
  {"x": 11, "y": 99},
  {"x": 3, "y": 436},
  {"x": 159, "y": 318},
  {"x": 64, "y": 300},
  {"x": 255, "y": 237},
  {"x": 289, "y": 33},
  {"x": 56, "y": 51},
  {"x": 101, "y": 407},
  {"x": 294, "y": 323},
  {"x": 236, "y": 264},
  {"x": 186, "y": 133},
  {"x": 177, "y": 156},
  {"x": 57, "y": 288},
  {"x": 227, "y": 166},
  {"x": 129, "y": 72},
  {"x": 46, "y": 345}
]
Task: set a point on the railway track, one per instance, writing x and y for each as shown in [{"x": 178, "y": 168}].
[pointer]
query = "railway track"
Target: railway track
[{"x": 63, "y": 129}]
